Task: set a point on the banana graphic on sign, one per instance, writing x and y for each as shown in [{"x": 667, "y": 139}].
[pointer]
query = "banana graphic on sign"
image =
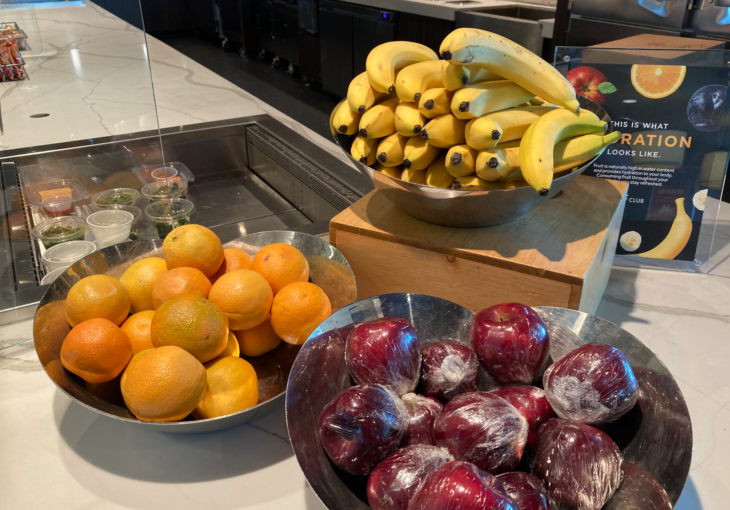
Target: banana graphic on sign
[{"x": 677, "y": 238}]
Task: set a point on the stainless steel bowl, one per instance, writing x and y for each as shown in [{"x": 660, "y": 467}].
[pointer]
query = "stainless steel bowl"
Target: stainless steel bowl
[
  {"x": 328, "y": 268},
  {"x": 464, "y": 208},
  {"x": 656, "y": 435}
]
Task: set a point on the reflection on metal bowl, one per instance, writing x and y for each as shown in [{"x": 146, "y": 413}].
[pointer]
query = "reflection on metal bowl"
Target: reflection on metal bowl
[
  {"x": 328, "y": 268},
  {"x": 465, "y": 208},
  {"x": 655, "y": 437}
]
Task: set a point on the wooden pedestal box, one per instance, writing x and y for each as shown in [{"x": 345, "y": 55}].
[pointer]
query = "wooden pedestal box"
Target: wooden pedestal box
[{"x": 559, "y": 254}]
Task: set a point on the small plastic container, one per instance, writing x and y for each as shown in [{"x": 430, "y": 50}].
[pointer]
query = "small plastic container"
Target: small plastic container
[
  {"x": 167, "y": 215},
  {"x": 58, "y": 206},
  {"x": 117, "y": 196},
  {"x": 145, "y": 172},
  {"x": 35, "y": 193},
  {"x": 164, "y": 173},
  {"x": 110, "y": 226},
  {"x": 161, "y": 190},
  {"x": 137, "y": 212},
  {"x": 63, "y": 255},
  {"x": 51, "y": 277},
  {"x": 60, "y": 230}
]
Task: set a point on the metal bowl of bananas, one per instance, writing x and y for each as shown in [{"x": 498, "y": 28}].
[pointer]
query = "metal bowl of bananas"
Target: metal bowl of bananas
[{"x": 476, "y": 139}]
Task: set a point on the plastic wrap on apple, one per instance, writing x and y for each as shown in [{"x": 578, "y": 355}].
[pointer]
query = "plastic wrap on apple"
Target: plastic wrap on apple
[
  {"x": 527, "y": 490},
  {"x": 362, "y": 425},
  {"x": 449, "y": 369},
  {"x": 579, "y": 465},
  {"x": 592, "y": 384},
  {"x": 422, "y": 413},
  {"x": 484, "y": 429},
  {"x": 532, "y": 404},
  {"x": 385, "y": 351},
  {"x": 394, "y": 481},
  {"x": 460, "y": 485}
]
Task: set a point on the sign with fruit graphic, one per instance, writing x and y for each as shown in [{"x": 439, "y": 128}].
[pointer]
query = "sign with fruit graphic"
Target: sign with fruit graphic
[{"x": 673, "y": 148}]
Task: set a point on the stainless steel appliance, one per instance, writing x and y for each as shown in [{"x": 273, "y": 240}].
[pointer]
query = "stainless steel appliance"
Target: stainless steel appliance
[
  {"x": 711, "y": 17},
  {"x": 657, "y": 13}
]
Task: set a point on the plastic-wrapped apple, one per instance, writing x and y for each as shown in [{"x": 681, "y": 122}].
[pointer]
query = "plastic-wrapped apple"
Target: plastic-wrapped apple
[
  {"x": 579, "y": 465},
  {"x": 449, "y": 369},
  {"x": 484, "y": 429},
  {"x": 422, "y": 413},
  {"x": 511, "y": 342},
  {"x": 361, "y": 426},
  {"x": 385, "y": 351},
  {"x": 592, "y": 384},
  {"x": 394, "y": 481},
  {"x": 461, "y": 485},
  {"x": 526, "y": 490},
  {"x": 530, "y": 401},
  {"x": 638, "y": 491}
]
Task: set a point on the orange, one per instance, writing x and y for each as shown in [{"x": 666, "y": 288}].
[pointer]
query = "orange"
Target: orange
[
  {"x": 96, "y": 350},
  {"x": 297, "y": 311},
  {"x": 163, "y": 384},
  {"x": 232, "y": 348},
  {"x": 192, "y": 323},
  {"x": 183, "y": 281},
  {"x": 193, "y": 246},
  {"x": 281, "y": 264},
  {"x": 139, "y": 279},
  {"x": 233, "y": 259},
  {"x": 138, "y": 329},
  {"x": 232, "y": 387},
  {"x": 257, "y": 340},
  {"x": 244, "y": 296},
  {"x": 97, "y": 297},
  {"x": 657, "y": 81}
]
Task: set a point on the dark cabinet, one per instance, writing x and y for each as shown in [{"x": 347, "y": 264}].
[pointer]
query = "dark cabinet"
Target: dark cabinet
[
  {"x": 279, "y": 28},
  {"x": 238, "y": 20}
]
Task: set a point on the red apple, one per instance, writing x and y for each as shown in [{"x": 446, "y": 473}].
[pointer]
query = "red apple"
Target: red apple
[
  {"x": 511, "y": 342},
  {"x": 530, "y": 401},
  {"x": 422, "y": 413},
  {"x": 394, "y": 481},
  {"x": 385, "y": 351},
  {"x": 585, "y": 81},
  {"x": 580, "y": 465},
  {"x": 593, "y": 384},
  {"x": 461, "y": 485},
  {"x": 527, "y": 490},
  {"x": 449, "y": 369},
  {"x": 361, "y": 426},
  {"x": 484, "y": 429}
]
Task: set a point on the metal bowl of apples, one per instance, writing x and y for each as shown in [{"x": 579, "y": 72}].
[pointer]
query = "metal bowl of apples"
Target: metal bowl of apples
[{"x": 411, "y": 402}]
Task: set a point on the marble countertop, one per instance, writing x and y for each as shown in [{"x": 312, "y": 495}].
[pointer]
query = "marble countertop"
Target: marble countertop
[
  {"x": 58, "y": 454},
  {"x": 443, "y": 9}
]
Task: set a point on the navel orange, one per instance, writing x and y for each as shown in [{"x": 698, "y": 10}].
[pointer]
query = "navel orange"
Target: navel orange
[
  {"x": 96, "y": 350},
  {"x": 163, "y": 384},
  {"x": 139, "y": 279},
  {"x": 181, "y": 281},
  {"x": 232, "y": 347},
  {"x": 138, "y": 328},
  {"x": 257, "y": 340},
  {"x": 297, "y": 310},
  {"x": 97, "y": 297},
  {"x": 657, "y": 81},
  {"x": 244, "y": 296},
  {"x": 193, "y": 246},
  {"x": 192, "y": 323},
  {"x": 233, "y": 259},
  {"x": 281, "y": 264},
  {"x": 232, "y": 386}
]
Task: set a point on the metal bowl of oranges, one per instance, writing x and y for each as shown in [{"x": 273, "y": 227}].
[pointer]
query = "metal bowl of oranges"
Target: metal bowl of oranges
[{"x": 164, "y": 315}]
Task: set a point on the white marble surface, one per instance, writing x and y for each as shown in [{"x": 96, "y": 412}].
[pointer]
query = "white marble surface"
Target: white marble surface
[{"x": 57, "y": 454}]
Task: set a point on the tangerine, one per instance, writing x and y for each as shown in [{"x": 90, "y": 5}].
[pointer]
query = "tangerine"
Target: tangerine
[
  {"x": 257, "y": 340},
  {"x": 231, "y": 387},
  {"x": 233, "y": 258},
  {"x": 97, "y": 297},
  {"x": 181, "y": 281},
  {"x": 193, "y": 246},
  {"x": 96, "y": 350},
  {"x": 138, "y": 328},
  {"x": 297, "y": 310},
  {"x": 281, "y": 264},
  {"x": 244, "y": 296},
  {"x": 139, "y": 279}
]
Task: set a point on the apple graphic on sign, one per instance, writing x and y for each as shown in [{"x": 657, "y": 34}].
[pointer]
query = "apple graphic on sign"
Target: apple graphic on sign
[{"x": 591, "y": 83}]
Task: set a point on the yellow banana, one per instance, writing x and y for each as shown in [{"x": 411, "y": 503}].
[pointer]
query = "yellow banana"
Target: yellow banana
[
  {"x": 363, "y": 150},
  {"x": 416, "y": 79},
  {"x": 444, "y": 131},
  {"x": 383, "y": 60},
  {"x": 538, "y": 143},
  {"x": 379, "y": 121},
  {"x": 472, "y": 182},
  {"x": 460, "y": 160},
  {"x": 344, "y": 120},
  {"x": 491, "y": 96},
  {"x": 676, "y": 240},
  {"x": 414, "y": 176},
  {"x": 390, "y": 150},
  {"x": 408, "y": 119},
  {"x": 437, "y": 176},
  {"x": 506, "y": 58},
  {"x": 576, "y": 151},
  {"x": 435, "y": 102},
  {"x": 391, "y": 171},
  {"x": 458, "y": 76},
  {"x": 495, "y": 164},
  {"x": 503, "y": 126},
  {"x": 360, "y": 95},
  {"x": 419, "y": 154}
]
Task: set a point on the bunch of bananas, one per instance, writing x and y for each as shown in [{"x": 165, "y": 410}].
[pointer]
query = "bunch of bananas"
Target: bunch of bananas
[{"x": 490, "y": 115}]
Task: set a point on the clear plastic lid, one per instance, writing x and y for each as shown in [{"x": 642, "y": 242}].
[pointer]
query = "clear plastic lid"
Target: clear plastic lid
[
  {"x": 109, "y": 219},
  {"x": 136, "y": 211},
  {"x": 161, "y": 190},
  {"x": 117, "y": 196},
  {"x": 51, "y": 276},
  {"x": 36, "y": 193},
  {"x": 168, "y": 210},
  {"x": 59, "y": 230},
  {"x": 164, "y": 173},
  {"x": 68, "y": 253},
  {"x": 58, "y": 205},
  {"x": 145, "y": 174}
]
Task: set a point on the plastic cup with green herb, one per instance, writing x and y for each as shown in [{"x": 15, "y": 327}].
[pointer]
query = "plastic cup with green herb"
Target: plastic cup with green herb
[
  {"x": 161, "y": 190},
  {"x": 167, "y": 215},
  {"x": 60, "y": 230},
  {"x": 117, "y": 196}
]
